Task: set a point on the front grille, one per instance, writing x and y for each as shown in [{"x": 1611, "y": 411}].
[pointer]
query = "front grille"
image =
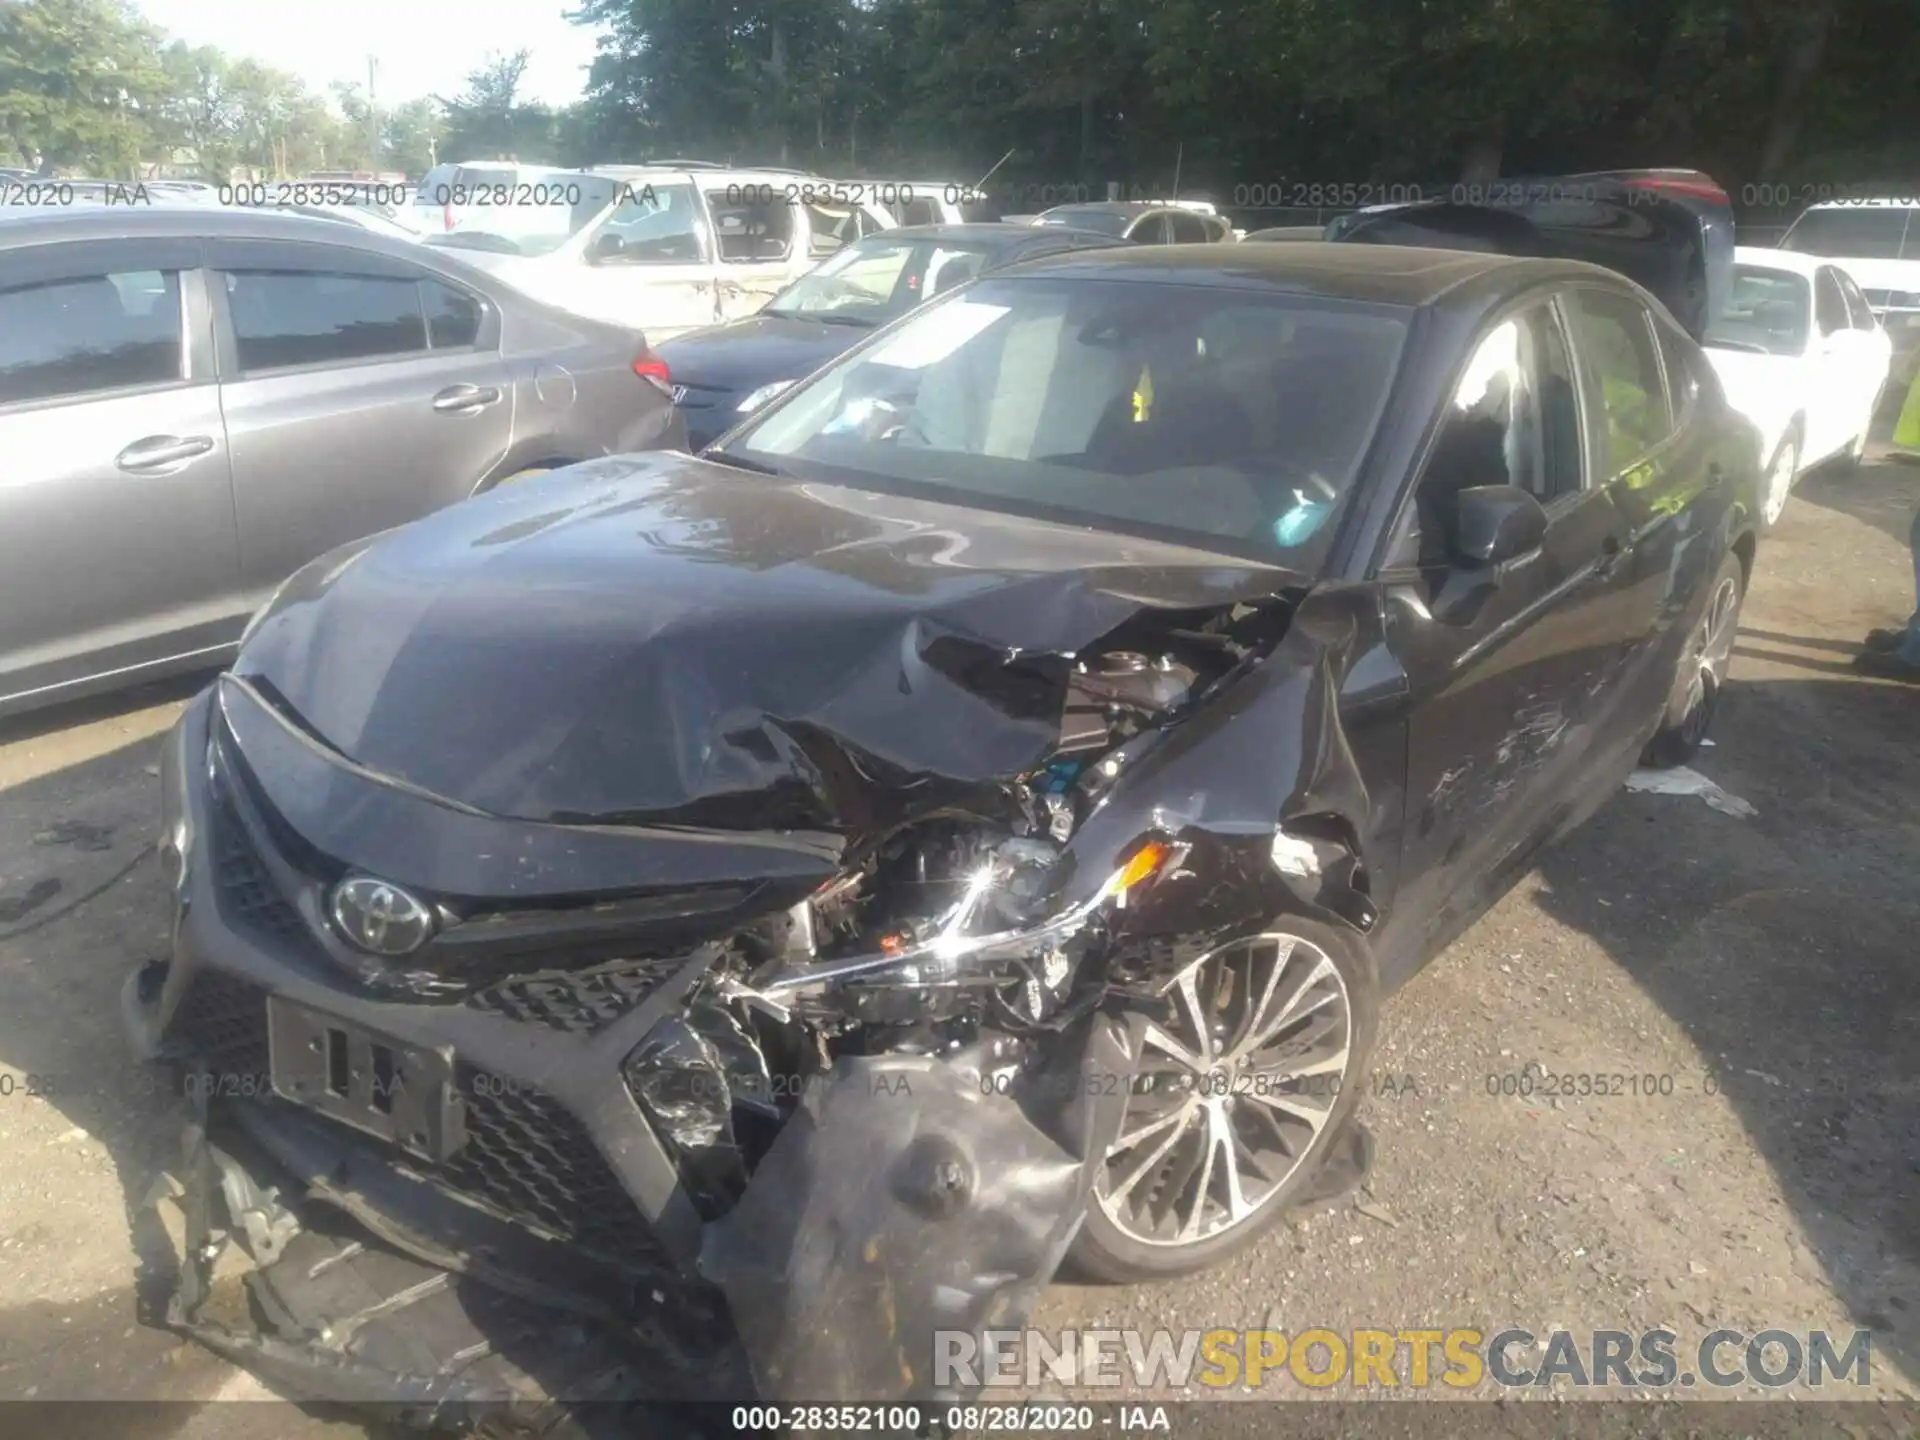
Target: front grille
[
  {"x": 223, "y": 1021},
  {"x": 248, "y": 895},
  {"x": 579, "y": 1002},
  {"x": 527, "y": 1159}
]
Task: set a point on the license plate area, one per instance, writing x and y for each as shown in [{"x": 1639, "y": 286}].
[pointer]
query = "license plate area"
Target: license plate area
[{"x": 401, "y": 1093}]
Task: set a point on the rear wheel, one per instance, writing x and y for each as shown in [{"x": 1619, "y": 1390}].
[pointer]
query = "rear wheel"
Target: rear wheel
[
  {"x": 1781, "y": 473},
  {"x": 1244, "y": 1085},
  {"x": 1702, "y": 673}
]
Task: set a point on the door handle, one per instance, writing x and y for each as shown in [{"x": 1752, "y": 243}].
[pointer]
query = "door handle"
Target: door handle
[
  {"x": 462, "y": 399},
  {"x": 156, "y": 451},
  {"x": 1611, "y": 550}
]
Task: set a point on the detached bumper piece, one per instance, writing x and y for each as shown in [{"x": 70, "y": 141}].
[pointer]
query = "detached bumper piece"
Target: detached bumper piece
[{"x": 323, "y": 1311}]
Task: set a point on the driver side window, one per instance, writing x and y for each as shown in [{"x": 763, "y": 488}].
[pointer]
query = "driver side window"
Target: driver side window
[{"x": 1514, "y": 419}]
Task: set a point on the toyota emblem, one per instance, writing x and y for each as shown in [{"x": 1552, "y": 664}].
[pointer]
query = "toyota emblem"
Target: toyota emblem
[{"x": 379, "y": 918}]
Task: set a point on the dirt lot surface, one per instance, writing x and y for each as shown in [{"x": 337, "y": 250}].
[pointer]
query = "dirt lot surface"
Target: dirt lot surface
[{"x": 1767, "y": 964}]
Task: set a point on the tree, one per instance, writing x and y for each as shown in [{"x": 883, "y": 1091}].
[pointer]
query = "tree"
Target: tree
[
  {"x": 412, "y": 136},
  {"x": 81, "y": 84},
  {"x": 487, "y": 118}
]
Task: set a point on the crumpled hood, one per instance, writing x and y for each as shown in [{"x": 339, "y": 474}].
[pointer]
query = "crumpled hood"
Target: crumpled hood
[{"x": 658, "y": 638}]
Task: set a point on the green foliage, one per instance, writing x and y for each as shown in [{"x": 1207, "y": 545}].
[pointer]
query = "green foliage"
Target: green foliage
[{"x": 1232, "y": 93}]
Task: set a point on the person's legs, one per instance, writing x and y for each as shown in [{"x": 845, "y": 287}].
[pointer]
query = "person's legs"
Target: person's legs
[{"x": 1896, "y": 653}]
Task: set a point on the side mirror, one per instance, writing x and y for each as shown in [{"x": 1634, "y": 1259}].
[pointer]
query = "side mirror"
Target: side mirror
[
  {"x": 604, "y": 248},
  {"x": 1495, "y": 525}
]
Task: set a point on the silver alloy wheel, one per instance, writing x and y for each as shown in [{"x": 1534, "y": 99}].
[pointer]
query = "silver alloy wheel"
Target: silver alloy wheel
[
  {"x": 1232, "y": 1089},
  {"x": 1709, "y": 655},
  {"x": 1780, "y": 482}
]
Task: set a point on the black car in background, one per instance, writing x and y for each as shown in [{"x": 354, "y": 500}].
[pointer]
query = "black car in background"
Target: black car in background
[
  {"x": 974, "y": 810},
  {"x": 1669, "y": 230},
  {"x": 724, "y": 372}
]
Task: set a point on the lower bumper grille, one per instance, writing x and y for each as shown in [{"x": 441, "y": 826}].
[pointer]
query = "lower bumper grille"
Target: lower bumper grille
[{"x": 527, "y": 1158}]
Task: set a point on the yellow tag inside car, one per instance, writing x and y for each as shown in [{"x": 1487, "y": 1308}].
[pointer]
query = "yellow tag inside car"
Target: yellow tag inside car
[{"x": 1143, "y": 397}]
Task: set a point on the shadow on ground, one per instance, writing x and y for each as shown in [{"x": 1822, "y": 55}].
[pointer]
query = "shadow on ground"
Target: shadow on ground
[{"x": 1784, "y": 945}]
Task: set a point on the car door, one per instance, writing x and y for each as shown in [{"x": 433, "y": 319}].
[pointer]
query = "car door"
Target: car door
[
  {"x": 1875, "y": 351},
  {"x": 1668, "y": 477},
  {"x": 360, "y": 392},
  {"x": 1507, "y": 673},
  {"x": 1836, "y": 372},
  {"x": 117, "y": 534},
  {"x": 648, "y": 263},
  {"x": 760, "y": 235}
]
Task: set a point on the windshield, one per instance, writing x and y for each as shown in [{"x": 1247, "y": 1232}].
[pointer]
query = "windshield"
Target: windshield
[
  {"x": 1091, "y": 217},
  {"x": 874, "y": 280},
  {"x": 1856, "y": 233},
  {"x": 1769, "y": 310},
  {"x": 540, "y": 215},
  {"x": 1210, "y": 415}
]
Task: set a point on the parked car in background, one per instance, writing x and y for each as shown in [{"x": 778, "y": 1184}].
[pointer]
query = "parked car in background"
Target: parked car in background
[
  {"x": 725, "y": 372},
  {"x": 196, "y": 400},
  {"x": 1671, "y": 231},
  {"x": 450, "y": 193},
  {"x": 1799, "y": 352},
  {"x": 1877, "y": 242},
  {"x": 1117, "y": 676},
  {"x": 665, "y": 250},
  {"x": 1288, "y": 232},
  {"x": 363, "y": 217},
  {"x": 1141, "y": 222},
  {"x": 926, "y": 202}
]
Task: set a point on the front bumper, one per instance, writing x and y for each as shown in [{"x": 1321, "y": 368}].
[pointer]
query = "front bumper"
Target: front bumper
[{"x": 899, "y": 1200}]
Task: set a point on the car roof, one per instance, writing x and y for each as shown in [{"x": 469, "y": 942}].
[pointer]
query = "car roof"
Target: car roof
[
  {"x": 1114, "y": 207},
  {"x": 1409, "y": 276},
  {"x": 168, "y": 219},
  {"x": 707, "y": 174},
  {"x": 1799, "y": 262},
  {"x": 981, "y": 232}
]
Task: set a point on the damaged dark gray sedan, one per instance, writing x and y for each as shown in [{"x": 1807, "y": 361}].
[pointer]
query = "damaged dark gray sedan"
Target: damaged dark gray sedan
[{"x": 700, "y": 927}]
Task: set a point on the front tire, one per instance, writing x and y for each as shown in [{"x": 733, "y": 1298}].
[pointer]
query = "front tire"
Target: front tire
[
  {"x": 1245, "y": 1083},
  {"x": 1702, "y": 673}
]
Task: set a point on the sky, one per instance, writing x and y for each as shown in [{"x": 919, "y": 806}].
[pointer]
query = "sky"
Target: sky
[{"x": 423, "y": 47}]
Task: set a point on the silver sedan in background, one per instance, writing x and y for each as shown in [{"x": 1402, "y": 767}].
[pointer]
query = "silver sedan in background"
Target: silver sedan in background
[{"x": 195, "y": 401}]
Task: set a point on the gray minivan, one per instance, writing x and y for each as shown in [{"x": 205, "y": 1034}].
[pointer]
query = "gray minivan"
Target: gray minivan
[{"x": 195, "y": 401}]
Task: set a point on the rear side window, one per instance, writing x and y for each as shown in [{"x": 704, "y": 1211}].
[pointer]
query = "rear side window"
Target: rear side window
[
  {"x": 748, "y": 226},
  {"x": 453, "y": 316},
  {"x": 917, "y": 212},
  {"x": 1829, "y": 305},
  {"x": 88, "y": 334},
  {"x": 305, "y": 317},
  {"x": 1188, "y": 229},
  {"x": 1616, "y": 335},
  {"x": 1858, "y": 311},
  {"x": 1683, "y": 382},
  {"x": 1150, "y": 231},
  {"x": 830, "y": 228}
]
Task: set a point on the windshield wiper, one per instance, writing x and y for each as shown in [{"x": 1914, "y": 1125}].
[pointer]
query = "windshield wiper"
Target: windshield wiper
[
  {"x": 740, "y": 462},
  {"x": 830, "y": 318}
]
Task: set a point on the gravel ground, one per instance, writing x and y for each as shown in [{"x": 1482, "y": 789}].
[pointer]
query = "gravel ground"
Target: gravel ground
[{"x": 1766, "y": 964}]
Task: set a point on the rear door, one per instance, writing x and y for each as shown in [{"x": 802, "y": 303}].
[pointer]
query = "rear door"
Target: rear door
[
  {"x": 117, "y": 536},
  {"x": 1875, "y": 352},
  {"x": 761, "y": 236},
  {"x": 1508, "y": 677},
  {"x": 360, "y": 392},
  {"x": 1839, "y": 371}
]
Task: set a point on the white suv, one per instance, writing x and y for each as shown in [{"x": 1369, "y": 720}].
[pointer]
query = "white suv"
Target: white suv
[
  {"x": 666, "y": 249},
  {"x": 449, "y": 195}
]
